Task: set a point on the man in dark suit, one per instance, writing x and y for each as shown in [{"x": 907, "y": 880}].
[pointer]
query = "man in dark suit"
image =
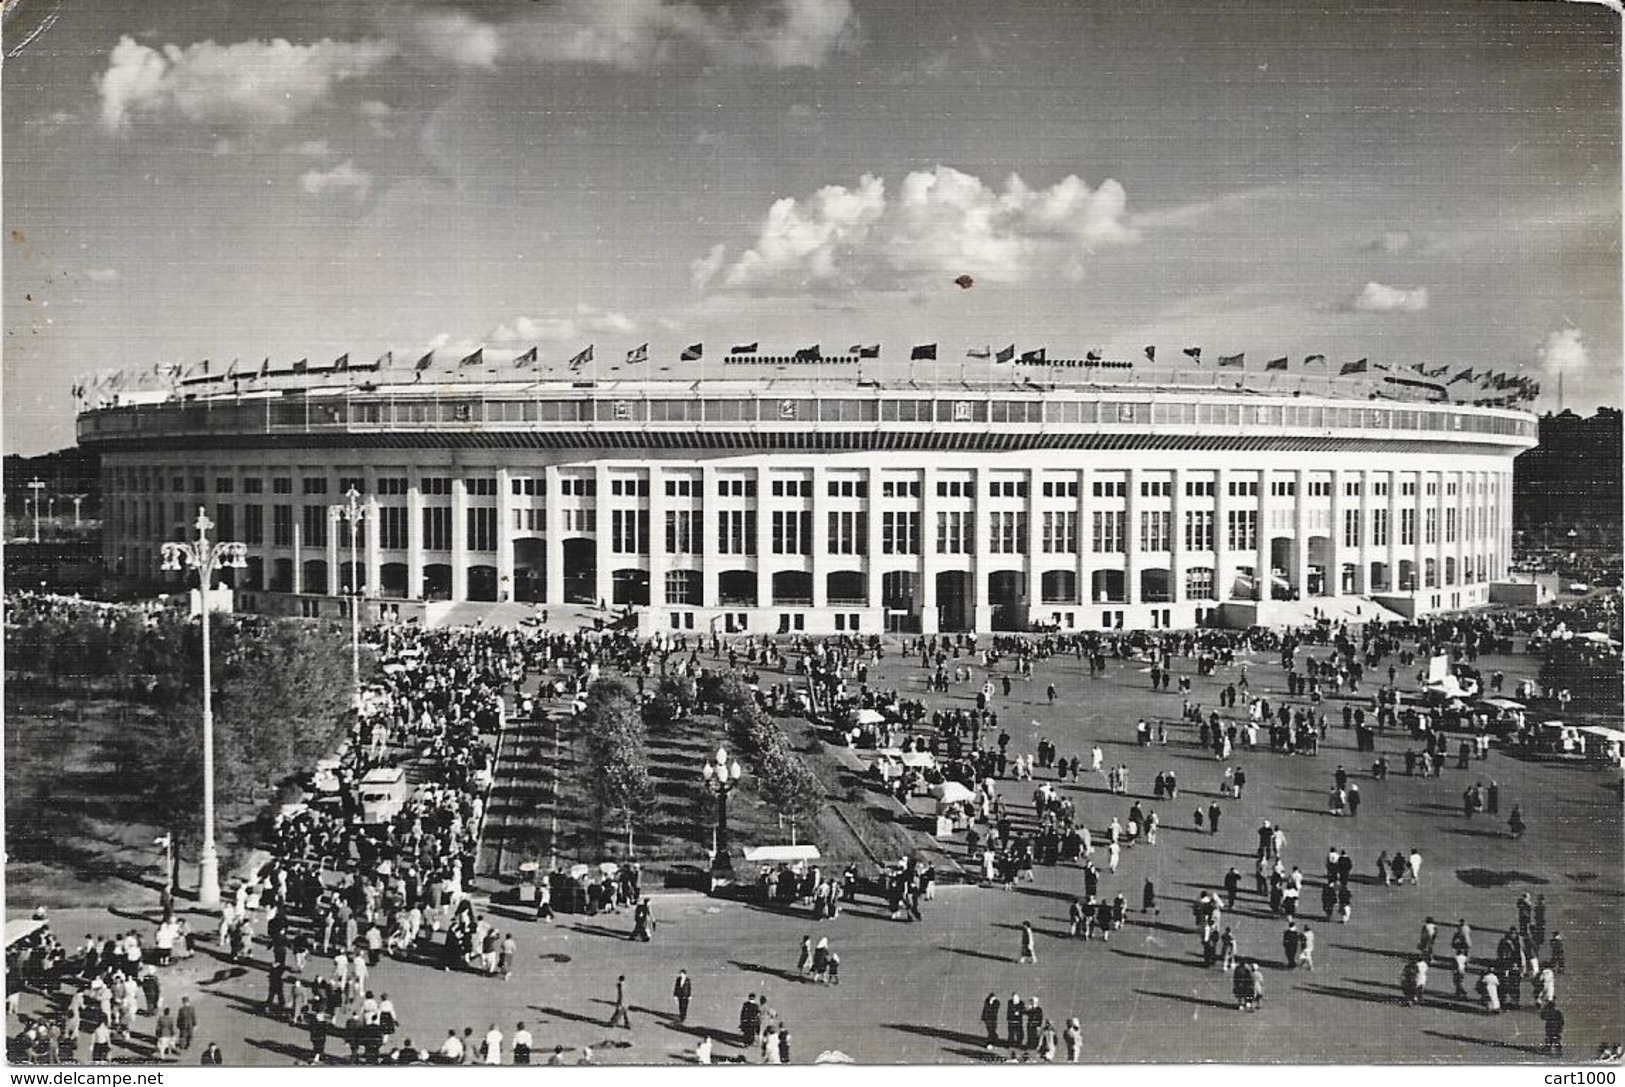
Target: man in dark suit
[{"x": 683, "y": 990}]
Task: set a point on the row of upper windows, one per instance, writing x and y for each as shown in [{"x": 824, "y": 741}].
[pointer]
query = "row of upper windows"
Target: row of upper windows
[{"x": 586, "y": 486}]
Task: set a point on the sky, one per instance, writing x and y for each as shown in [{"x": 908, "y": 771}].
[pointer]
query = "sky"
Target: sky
[{"x": 1433, "y": 183}]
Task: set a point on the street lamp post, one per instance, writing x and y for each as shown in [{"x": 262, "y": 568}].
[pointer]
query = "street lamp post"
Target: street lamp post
[
  {"x": 206, "y": 558},
  {"x": 353, "y": 513},
  {"x": 36, "y": 485},
  {"x": 721, "y": 775}
]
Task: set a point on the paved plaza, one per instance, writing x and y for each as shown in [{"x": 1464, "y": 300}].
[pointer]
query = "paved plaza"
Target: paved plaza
[{"x": 913, "y": 991}]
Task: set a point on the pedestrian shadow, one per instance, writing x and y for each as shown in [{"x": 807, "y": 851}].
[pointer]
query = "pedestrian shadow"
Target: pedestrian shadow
[
  {"x": 1344, "y": 992},
  {"x": 1223, "y": 852},
  {"x": 600, "y": 930},
  {"x": 958, "y": 1037},
  {"x": 1463, "y": 832},
  {"x": 1492, "y": 1043},
  {"x": 1040, "y": 892},
  {"x": 1404, "y": 956},
  {"x": 1053, "y": 934},
  {"x": 1183, "y": 999},
  {"x": 971, "y": 953},
  {"x": 575, "y": 1017},
  {"x": 230, "y": 973},
  {"x": 1175, "y": 960},
  {"x": 771, "y": 971},
  {"x": 296, "y": 1053}
]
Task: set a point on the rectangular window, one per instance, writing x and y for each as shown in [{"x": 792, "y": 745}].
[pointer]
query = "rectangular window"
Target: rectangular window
[
  {"x": 682, "y": 532},
  {"x": 1450, "y": 525},
  {"x": 253, "y": 525},
  {"x": 1430, "y": 525},
  {"x": 629, "y": 532},
  {"x": 282, "y": 485},
  {"x": 792, "y": 532},
  {"x": 1241, "y": 530},
  {"x": 282, "y": 526},
  {"x": 1110, "y": 488},
  {"x": 1108, "y": 531},
  {"x": 392, "y": 527},
  {"x": 480, "y": 486},
  {"x": 1060, "y": 532},
  {"x": 253, "y": 485},
  {"x": 1156, "y": 530},
  {"x": 225, "y": 522},
  {"x": 848, "y": 533},
  {"x": 315, "y": 526},
  {"x": 1407, "y": 527},
  {"x": 1351, "y": 528},
  {"x": 436, "y": 528},
  {"x": 394, "y": 486},
  {"x": 953, "y": 533},
  {"x": 1007, "y": 533},
  {"x": 482, "y": 528},
  {"x": 736, "y": 532},
  {"x": 900, "y": 533},
  {"x": 1156, "y": 488},
  {"x": 1199, "y": 530},
  {"x": 1199, "y": 488},
  {"x": 900, "y": 488},
  {"x": 1244, "y": 488},
  {"x": 224, "y": 484},
  {"x": 848, "y": 488},
  {"x": 1379, "y": 528},
  {"x": 682, "y": 488},
  {"x": 313, "y": 485}
]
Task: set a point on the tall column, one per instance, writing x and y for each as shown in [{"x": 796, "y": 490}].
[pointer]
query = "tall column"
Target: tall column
[
  {"x": 1032, "y": 541},
  {"x": 1131, "y": 538},
  {"x": 764, "y": 539},
  {"x": 553, "y": 520},
  {"x": 1263, "y": 572},
  {"x": 1442, "y": 544},
  {"x": 1362, "y": 571},
  {"x": 710, "y": 549},
  {"x": 505, "y": 533},
  {"x": 980, "y": 556},
  {"x": 820, "y": 544},
  {"x": 927, "y": 567},
  {"x": 603, "y": 524},
  {"x": 871, "y": 543},
  {"x": 1223, "y": 579},
  {"x": 1395, "y": 583},
  {"x": 658, "y": 560},
  {"x": 1334, "y": 576},
  {"x": 459, "y": 536},
  {"x": 298, "y": 549},
  {"x": 372, "y": 538},
  {"x": 1177, "y": 557},
  {"x": 1085, "y": 563},
  {"x": 414, "y": 540},
  {"x": 1419, "y": 537},
  {"x": 1301, "y": 532},
  {"x": 334, "y": 526}
]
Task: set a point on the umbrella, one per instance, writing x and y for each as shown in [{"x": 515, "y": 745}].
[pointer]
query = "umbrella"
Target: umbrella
[
  {"x": 609, "y": 868},
  {"x": 579, "y": 870},
  {"x": 867, "y": 717},
  {"x": 833, "y": 1056},
  {"x": 951, "y": 792}
]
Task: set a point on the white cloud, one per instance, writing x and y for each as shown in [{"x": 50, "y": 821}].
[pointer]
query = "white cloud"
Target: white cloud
[
  {"x": 456, "y": 36},
  {"x": 583, "y": 322},
  {"x": 102, "y": 275},
  {"x": 633, "y": 33},
  {"x": 1564, "y": 352},
  {"x": 316, "y": 149},
  {"x": 245, "y": 83},
  {"x": 941, "y": 222},
  {"x": 1380, "y": 298},
  {"x": 344, "y": 179}
]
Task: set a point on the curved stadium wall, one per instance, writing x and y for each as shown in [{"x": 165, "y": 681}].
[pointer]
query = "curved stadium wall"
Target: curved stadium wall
[{"x": 767, "y": 507}]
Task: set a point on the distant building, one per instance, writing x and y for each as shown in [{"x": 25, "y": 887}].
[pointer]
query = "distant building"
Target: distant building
[{"x": 768, "y": 507}]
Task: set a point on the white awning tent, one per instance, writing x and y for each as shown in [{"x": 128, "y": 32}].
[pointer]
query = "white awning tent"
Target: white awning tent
[
  {"x": 780, "y": 854},
  {"x": 866, "y": 717}
]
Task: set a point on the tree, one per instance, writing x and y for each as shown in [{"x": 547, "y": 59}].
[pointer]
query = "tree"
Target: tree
[
  {"x": 789, "y": 786},
  {"x": 621, "y": 786}
]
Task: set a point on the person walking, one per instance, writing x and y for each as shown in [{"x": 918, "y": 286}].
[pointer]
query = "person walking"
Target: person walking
[
  {"x": 1213, "y": 814},
  {"x": 1306, "y": 948},
  {"x": 185, "y": 1023},
  {"x": 1029, "y": 950},
  {"x": 619, "y": 1017},
  {"x": 750, "y": 1021},
  {"x": 522, "y": 1045},
  {"x": 642, "y": 922},
  {"x": 1074, "y": 1040},
  {"x": 1015, "y": 1022},
  {"x": 682, "y": 990}
]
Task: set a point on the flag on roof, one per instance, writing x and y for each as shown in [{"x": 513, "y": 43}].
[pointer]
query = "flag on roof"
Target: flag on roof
[
  {"x": 1311, "y": 359},
  {"x": 425, "y": 362},
  {"x": 1357, "y": 367},
  {"x": 1034, "y": 357},
  {"x": 301, "y": 366},
  {"x": 964, "y": 283},
  {"x": 1005, "y": 354},
  {"x": 809, "y": 354},
  {"x": 582, "y": 359},
  {"x": 1276, "y": 364},
  {"x": 980, "y": 352},
  {"x": 529, "y": 358},
  {"x": 1195, "y": 353},
  {"x": 385, "y": 361},
  {"x": 926, "y": 351},
  {"x": 693, "y": 351},
  {"x": 1233, "y": 360},
  {"x": 745, "y": 349},
  {"x": 342, "y": 362},
  {"x": 638, "y": 354},
  {"x": 1465, "y": 375},
  {"x": 265, "y": 367},
  {"x": 474, "y": 358},
  {"x": 871, "y": 351},
  {"x": 1151, "y": 353}
]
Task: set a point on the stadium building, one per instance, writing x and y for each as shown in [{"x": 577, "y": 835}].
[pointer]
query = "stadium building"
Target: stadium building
[{"x": 784, "y": 505}]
